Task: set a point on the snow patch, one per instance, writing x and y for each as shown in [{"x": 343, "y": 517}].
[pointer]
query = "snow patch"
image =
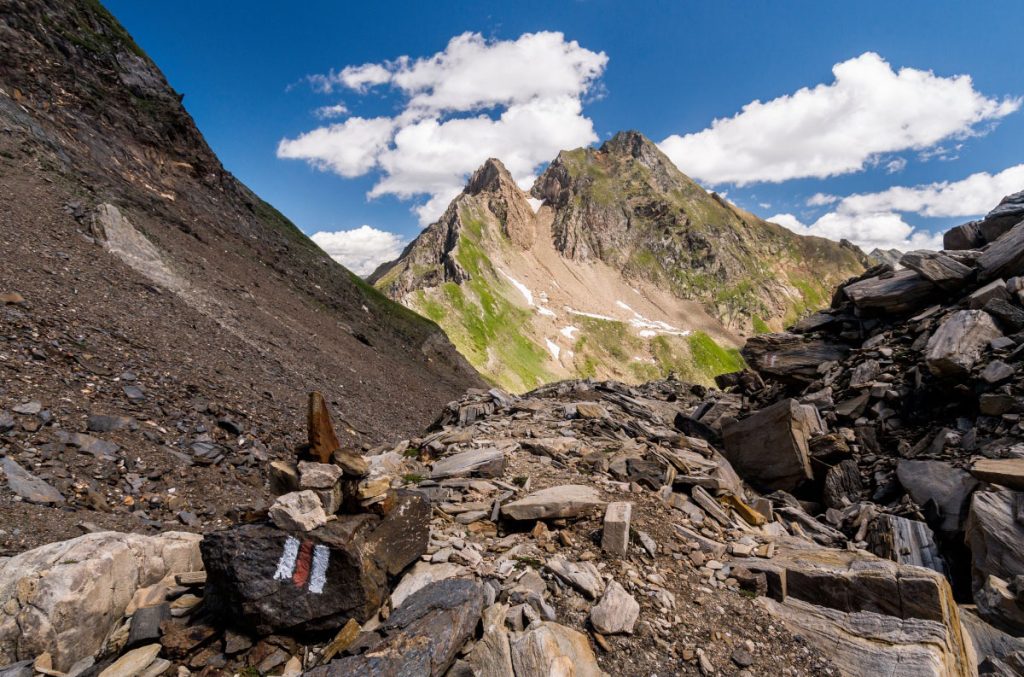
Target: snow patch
[
  {"x": 591, "y": 315},
  {"x": 553, "y": 348},
  {"x": 545, "y": 311},
  {"x": 648, "y": 333},
  {"x": 535, "y": 203},
  {"x": 567, "y": 332},
  {"x": 523, "y": 289}
]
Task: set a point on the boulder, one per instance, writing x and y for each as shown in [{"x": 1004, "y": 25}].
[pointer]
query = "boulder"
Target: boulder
[
  {"x": 790, "y": 357},
  {"x": 995, "y": 536},
  {"x": 941, "y": 485},
  {"x": 988, "y": 641},
  {"x": 937, "y": 268},
  {"x": 65, "y": 598},
  {"x": 1004, "y": 258},
  {"x": 1008, "y": 472},
  {"x": 869, "y": 615},
  {"x": 906, "y": 541},
  {"x": 263, "y": 579},
  {"x": 422, "y": 637},
  {"x": 616, "y": 613},
  {"x": 298, "y": 511},
  {"x": 993, "y": 291},
  {"x": 485, "y": 462},
  {"x": 1009, "y": 316},
  {"x": 1003, "y": 217},
  {"x": 769, "y": 449},
  {"x": 959, "y": 342},
  {"x": 901, "y": 293},
  {"x": 567, "y": 500},
  {"x": 551, "y": 650},
  {"x": 966, "y": 236}
]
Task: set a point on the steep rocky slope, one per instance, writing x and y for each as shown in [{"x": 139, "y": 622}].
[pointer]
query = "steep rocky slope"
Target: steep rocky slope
[
  {"x": 148, "y": 282},
  {"x": 617, "y": 266}
]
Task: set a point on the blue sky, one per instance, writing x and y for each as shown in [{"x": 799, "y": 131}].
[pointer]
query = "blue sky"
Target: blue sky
[{"x": 887, "y": 119}]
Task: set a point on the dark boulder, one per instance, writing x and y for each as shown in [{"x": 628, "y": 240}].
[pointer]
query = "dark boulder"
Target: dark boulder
[{"x": 263, "y": 579}]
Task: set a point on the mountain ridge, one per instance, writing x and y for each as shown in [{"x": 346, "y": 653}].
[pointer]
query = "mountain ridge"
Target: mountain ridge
[{"x": 621, "y": 239}]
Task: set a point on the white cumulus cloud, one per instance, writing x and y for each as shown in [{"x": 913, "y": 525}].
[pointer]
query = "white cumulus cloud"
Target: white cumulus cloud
[
  {"x": 361, "y": 249},
  {"x": 875, "y": 219},
  {"x": 518, "y": 100},
  {"x": 837, "y": 128},
  {"x": 328, "y": 112}
]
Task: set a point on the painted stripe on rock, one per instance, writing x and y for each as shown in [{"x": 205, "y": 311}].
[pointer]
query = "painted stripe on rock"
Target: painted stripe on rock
[
  {"x": 286, "y": 565},
  {"x": 318, "y": 578},
  {"x": 302, "y": 564}
]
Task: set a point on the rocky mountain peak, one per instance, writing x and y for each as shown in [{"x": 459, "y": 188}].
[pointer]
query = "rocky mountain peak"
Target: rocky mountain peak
[{"x": 492, "y": 176}]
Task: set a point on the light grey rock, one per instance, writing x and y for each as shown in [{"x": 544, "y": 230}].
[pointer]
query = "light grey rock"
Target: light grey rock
[
  {"x": 548, "y": 649},
  {"x": 28, "y": 486},
  {"x": 994, "y": 535},
  {"x": 422, "y": 575},
  {"x": 993, "y": 291},
  {"x": 66, "y": 597},
  {"x": 298, "y": 511},
  {"x": 615, "y": 536},
  {"x": 616, "y": 613},
  {"x": 492, "y": 655},
  {"x": 486, "y": 462},
  {"x": 959, "y": 342},
  {"x": 567, "y": 500},
  {"x": 583, "y": 576},
  {"x": 314, "y": 475},
  {"x": 938, "y": 481}
]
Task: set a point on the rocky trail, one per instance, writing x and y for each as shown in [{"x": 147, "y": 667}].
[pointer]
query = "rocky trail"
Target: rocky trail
[{"x": 850, "y": 505}]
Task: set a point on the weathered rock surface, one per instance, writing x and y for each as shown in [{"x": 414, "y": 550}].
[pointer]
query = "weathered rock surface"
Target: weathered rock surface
[
  {"x": 298, "y": 511},
  {"x": 1008, "y": 472},
  {"x": 959, "y": 341},
  {"x": 616, "y": 613},
  {"x": 28, "y": 486},
  {"x": 64, "y": 598},
  {"x": 485, "y": 462},
  {"x": 940, "y": 484},
  {"x": 422, "y": 637},
  {"x": 769, "y": 448},
  {"x": 570, "y": 500},
  {"x": 868, "y": 613},
  {"x": 552, "y": 649},
  {"x": 995, "y": 534}
]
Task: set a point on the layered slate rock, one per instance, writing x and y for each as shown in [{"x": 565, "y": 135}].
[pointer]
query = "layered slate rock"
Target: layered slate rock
[
  {"x": 871, "y": 615},
  {"x": 939, "y": 484},
  {"x": 995, "y": 535},
  {"x": 900, "y": 293},
  {"x": 937, "y": 268},
  {"x": 769, "y": 448},
  {"x": 959, "y": 342},
  {"x": 422, "y": 637},
  {"x": 486, "y": 462},
  {"x": 268, "y": 580},
  {"x": 1008, "y": 472},
  {"x": 64, "y": 598},
  {"x": 790, "y": 357}
]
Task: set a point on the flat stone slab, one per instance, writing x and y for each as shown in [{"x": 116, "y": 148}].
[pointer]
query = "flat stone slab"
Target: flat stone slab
[
  {"x": 486, "y": 462},
  {"x": 28, "y": 486},
  {"x": 567, "y": 500},
  {"x": 1008, "y": 472}
]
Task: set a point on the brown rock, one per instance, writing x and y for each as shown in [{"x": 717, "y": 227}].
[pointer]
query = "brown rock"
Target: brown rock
[{"x": 323, "y": 441}]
